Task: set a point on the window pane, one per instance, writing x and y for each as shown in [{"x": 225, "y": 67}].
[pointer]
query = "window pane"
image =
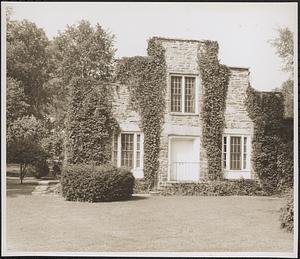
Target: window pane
[
  {"x": 176, "y": 93},
  {"x": 189, "y": 94},
  {"x": 235, "y": 153},
  {"x": 138, "y": 150},
  {"x": 224, "y": 151},
  {"x": 127, "y": 150},
  {"x": 245, "y": 153},
  {"x": 115, "y": 150}
]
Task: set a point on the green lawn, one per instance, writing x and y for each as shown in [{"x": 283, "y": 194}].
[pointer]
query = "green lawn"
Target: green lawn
[{"x": 178, "y": 224}]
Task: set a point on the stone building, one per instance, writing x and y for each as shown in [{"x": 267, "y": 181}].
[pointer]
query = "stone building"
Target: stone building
[{"x": 182, "y": 156}]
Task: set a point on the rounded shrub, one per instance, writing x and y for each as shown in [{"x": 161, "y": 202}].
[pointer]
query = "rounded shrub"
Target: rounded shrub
[{"x": 85, "y": 182}]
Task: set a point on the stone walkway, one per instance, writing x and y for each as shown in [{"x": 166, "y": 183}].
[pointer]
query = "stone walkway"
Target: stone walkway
[{"x": 46, "y": 187}]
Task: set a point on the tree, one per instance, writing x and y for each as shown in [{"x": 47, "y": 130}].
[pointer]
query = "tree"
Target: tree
[
  {"x": 28, "y": 62},
  {"x": 90, "y": 123},
  {"x": 24, "y": 147},
  {"x": 79, "y": 51},
  {"x": 284, "y": 45}
]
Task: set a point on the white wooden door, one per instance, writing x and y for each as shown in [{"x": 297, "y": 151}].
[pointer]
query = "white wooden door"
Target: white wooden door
[{"x": 184, "y": 164}]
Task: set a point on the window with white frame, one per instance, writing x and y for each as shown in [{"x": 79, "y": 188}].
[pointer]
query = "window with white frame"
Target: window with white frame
[
  {"x": 183, "y": 94},
  {"x": 235, "y": 152},
  {"x": 127, "y": 150}
]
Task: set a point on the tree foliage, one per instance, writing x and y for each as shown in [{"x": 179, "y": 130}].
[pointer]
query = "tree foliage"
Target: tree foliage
[
  {"x": 83, "y": 51},
  {"x": 284, "y": 45},
  {"x": 24, "y": 147},
  {"x": 28, "y": 62},
  {"x": 16, "y": 105},
  {"x": 270, "y": 146},
  {"x": 287, "y": 89}
]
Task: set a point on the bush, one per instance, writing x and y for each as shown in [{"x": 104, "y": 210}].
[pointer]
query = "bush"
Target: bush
[
  {"x": 285, "y": 165},
  {"x": 140, "y": 186},
  {"x": 85, "y": 182},
  {"x": 41, "y": 168},
  {"x": 215, "y": 188},
  {"x": 287, "y": 213}
]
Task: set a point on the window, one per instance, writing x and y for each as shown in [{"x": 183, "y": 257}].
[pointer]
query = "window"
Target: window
[
  {"x": 176, "y": 93},
  {"x": 224, "y": 152},
  {"x": 189, "y": 103},
  {"x": 183, "y": 91},
  {"x": 115, "y": 149},
  {"x": 127, "y": 150},
  {"x": 235, "y": 152},
  {"x": 138, "y": 151}
]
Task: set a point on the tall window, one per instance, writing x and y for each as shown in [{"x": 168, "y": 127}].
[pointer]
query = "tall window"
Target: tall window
[
  {"x": 245, "y": 153},
  {"x": 115, "y": 149},
  {"x": 138, "y": 151},
  {"x": 176, "y": 93},
  {"x": 224, "y": 152},
  {"x": 127, "y": 150},
  {"x": 189, "y": 96},
  {"x": 183, "y": 89},
  {"x": 235, "y": 152}
]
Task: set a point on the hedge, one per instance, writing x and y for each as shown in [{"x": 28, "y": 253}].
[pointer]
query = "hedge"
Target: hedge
[
  {"x": 86, "y": 182},
  {"x": 140, "y": 186},
  {"x": 215, "y": 188},
  {"x": 287, "y": 213}
]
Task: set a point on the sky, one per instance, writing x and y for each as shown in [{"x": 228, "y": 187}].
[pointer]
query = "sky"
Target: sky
[{"x": 243, "y": 30}]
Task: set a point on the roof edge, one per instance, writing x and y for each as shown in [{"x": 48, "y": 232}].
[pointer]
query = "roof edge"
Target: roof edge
[
  {"x": 238, "y": 68},
  {"x": 176, "y": 39}
]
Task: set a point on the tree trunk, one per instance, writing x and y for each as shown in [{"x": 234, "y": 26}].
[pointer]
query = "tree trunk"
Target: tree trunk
[{"x": 21, "y": 173}]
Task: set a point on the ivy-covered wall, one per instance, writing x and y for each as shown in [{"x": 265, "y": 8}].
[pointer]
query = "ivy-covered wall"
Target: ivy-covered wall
[
  {"x": 269, "y": 142},
  {"x": 214, "y": 80},
  {"x": 146, "y": 81}
]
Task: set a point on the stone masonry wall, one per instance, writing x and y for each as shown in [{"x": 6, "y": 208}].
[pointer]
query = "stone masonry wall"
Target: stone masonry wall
[
  {"x": 181, "y": 58},
  {"x": 236, "y": 115},
  {"x": 128, "y": 119}
]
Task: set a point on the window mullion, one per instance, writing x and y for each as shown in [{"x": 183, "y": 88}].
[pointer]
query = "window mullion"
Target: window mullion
[
  {"x": 242, "y": 153},
  {"x": 134, "y": 150},
  {"x": 119, "y": 151},
  {"x": 229, "y": 152}
]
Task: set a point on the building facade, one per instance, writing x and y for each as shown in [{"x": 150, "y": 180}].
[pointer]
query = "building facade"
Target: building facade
[{"x": 182, "y": 155}]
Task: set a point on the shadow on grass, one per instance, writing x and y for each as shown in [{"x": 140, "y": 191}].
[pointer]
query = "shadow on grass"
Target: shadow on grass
[
  {"x": 14, "y": 188},
  {"x": 138, "y": 197}
]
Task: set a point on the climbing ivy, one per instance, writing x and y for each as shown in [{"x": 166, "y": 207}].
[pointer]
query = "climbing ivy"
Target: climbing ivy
[
  {"x": 90, "y": 122},
  {"x": 215, "y": 79},
  {"x": 266, "y": 109},
  {"x": 146, "y": 80}
]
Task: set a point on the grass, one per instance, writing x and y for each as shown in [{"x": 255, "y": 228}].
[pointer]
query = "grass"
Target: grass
[{"x": 155, "y": 223}]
